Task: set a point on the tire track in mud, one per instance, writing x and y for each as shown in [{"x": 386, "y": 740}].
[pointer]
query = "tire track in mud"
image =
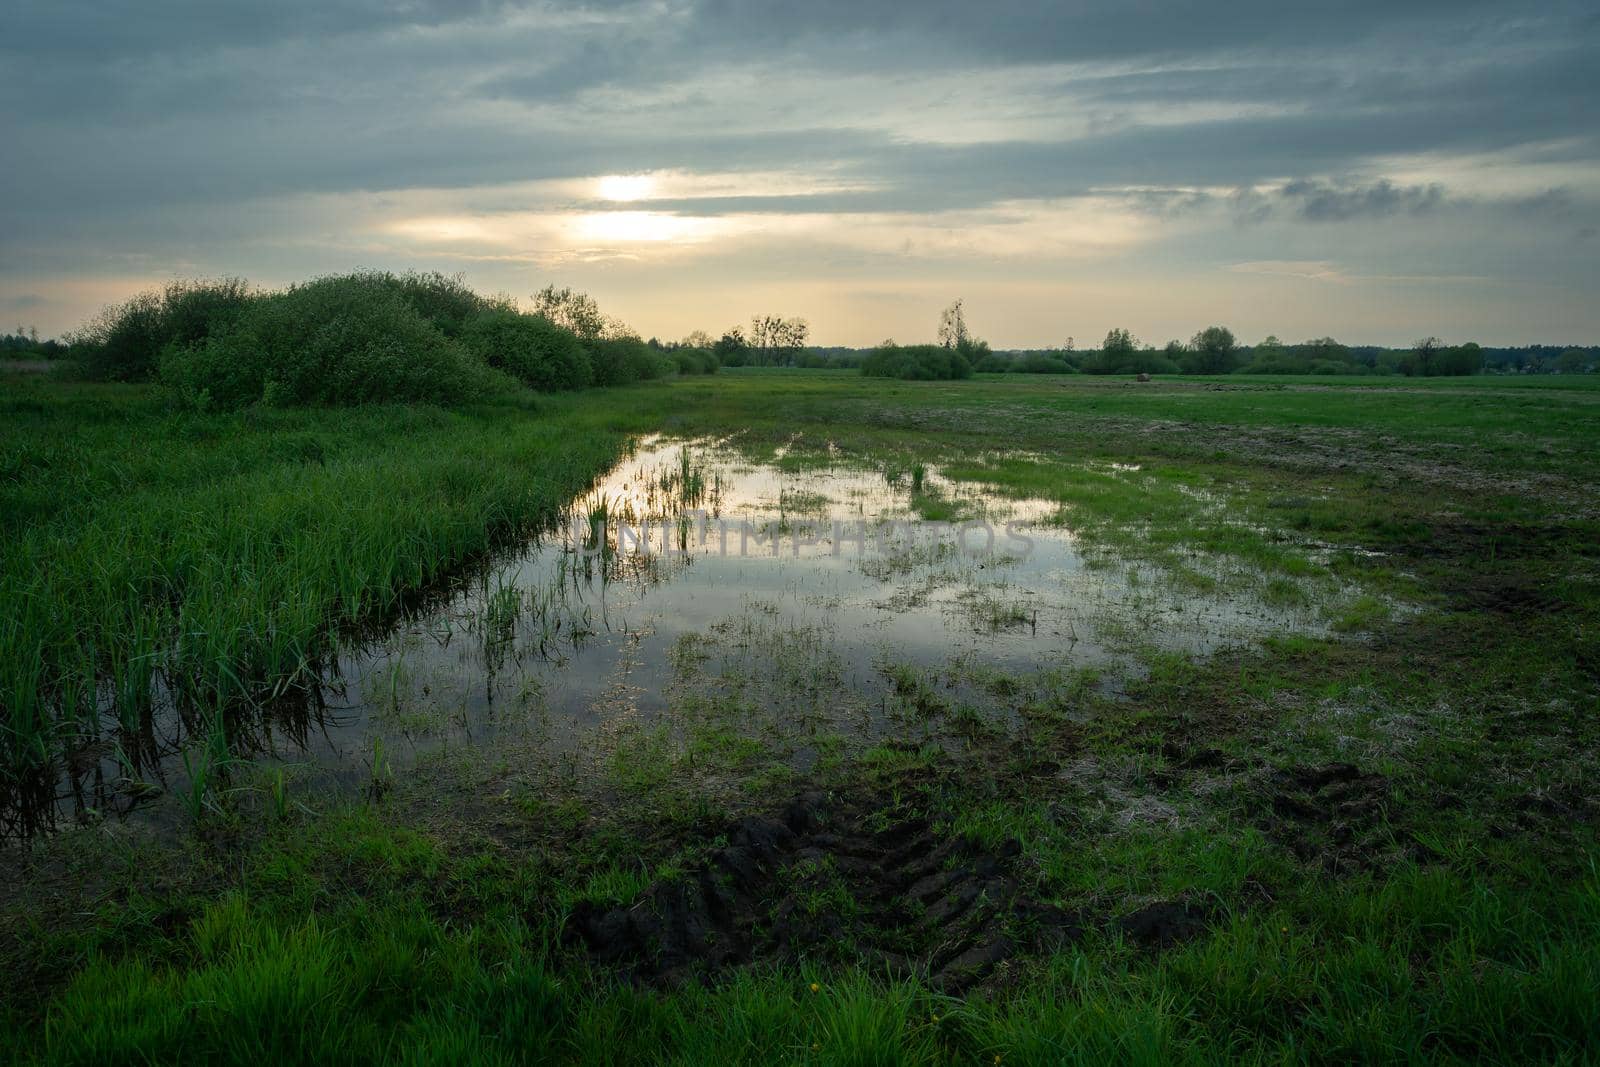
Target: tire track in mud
[{"x": 824, "y": 880}]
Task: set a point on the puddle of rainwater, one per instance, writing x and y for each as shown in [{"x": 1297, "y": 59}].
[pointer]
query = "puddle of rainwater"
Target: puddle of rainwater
[{"x": 818, "y": 583}]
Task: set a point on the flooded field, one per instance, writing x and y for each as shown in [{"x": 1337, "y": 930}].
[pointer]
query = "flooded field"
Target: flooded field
[
  {"x": 807, "y": 600},
  {"x": 945, "y": 711}
]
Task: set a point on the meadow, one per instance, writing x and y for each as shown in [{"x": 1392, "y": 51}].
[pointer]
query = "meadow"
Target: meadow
[{"x": 1375, "y": 838}]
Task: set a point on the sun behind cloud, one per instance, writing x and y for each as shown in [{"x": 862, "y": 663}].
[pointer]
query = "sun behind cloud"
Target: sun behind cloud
[{"x": 626, "y": 186}]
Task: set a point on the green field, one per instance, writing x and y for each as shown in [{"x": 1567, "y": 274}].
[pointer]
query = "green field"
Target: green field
[{"x": 1379, "y": 841}]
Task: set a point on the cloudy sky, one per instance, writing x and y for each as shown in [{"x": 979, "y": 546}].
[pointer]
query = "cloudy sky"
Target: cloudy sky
[{"x": 1372, "y": 170}]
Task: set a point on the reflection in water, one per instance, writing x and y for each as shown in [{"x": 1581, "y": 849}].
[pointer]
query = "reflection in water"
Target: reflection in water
[{"x": 820, "y": 583}]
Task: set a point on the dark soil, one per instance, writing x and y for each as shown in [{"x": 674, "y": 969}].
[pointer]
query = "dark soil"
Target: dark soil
[
  {"x": 1334, "y": 815},
  {"x": 1165, "y": 924},
  {"x": 820, "y": 880}
]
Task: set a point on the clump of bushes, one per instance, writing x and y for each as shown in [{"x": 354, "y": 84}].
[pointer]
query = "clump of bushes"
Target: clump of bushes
[
  {"x": 695, "y": 360},
  {"x": 124, "y": 343},
  {"x": 366, "y": 337},
  {"x": 350, "y": 339},
  {"x": 623, "y": 361},
  {"x": 528, "y": 347},
  {"x": 445, "y": 300},
  {"x": 916, "y": 362},
  {"x": 1043, "y": 363}
]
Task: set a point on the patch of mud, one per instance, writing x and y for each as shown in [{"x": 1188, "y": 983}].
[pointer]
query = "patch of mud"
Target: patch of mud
[
  {"x": 1164, "y": 924},
  {"x": 1501, "y": 542},
  {"x": 1332, "y": 815},
  {"x": 1508, "y": 594},
  {"x": 1395, "y": 462},
  {"x": 821, "y": 879}
]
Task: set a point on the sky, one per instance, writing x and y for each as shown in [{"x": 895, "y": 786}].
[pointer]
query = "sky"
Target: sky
[{"x": 1374, "y": 171}]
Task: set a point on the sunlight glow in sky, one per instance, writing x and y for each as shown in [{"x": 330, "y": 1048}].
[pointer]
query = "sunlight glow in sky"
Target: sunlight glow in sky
[
  {"x": 626, "y": 186},
  {"x": 1373, "y": 171}
]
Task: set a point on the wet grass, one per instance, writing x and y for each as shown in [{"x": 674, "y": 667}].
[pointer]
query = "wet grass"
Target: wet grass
[
  {"x": 1378, "y": 844},
  {"x": 197, "y": 564}
]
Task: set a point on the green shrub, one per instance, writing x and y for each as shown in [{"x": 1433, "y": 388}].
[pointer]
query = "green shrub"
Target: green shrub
[
  {"x": 1276, "y": 363},
  {"x": 444, "y": 300},
  {"x": 1333, "y": 366},
  {"x": 345, "y": 339},
  {"x": 1139, "y": 361},
  {"x": 916, "y": 363},
  {"x": 529, "y": 348},
  {"x": 623, "y": 360},
  {"x": 125, "y": 342},
  {"x": 694, "y": 360},
  {"x": 990, "y": 363},
  {"x": 1040, "y": 363}
]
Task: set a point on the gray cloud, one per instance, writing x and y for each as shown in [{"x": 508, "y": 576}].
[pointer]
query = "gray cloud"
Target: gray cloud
[
  {"x": 148, "y": 132},
  {"x": 1330, "y": 202}
]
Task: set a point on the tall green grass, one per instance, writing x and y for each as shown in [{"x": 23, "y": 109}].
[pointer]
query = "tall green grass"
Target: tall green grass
[
  {"x": 1419, "y": 963},
  {"x": 193, "y": 563}
]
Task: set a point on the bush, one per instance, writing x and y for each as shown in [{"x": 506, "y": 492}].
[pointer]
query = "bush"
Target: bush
[
  {"x": 530, "y": 348},
  {"x": 124, "y": 343},
  {"x": 916, "y": 363},
  {"x": 1139, "y": 361},
  {"x": 623, "y": 360},
  {"x": 694, "y": 360},
  {"x": 1276, "y": 363},
  {"x": 992, "y": 364},
  {"x": 1333, "y": 366},
  {"x": 349, "y": 339},
  {"x": 1040, "y": 363},
  {"x": 444, "y": 300}
]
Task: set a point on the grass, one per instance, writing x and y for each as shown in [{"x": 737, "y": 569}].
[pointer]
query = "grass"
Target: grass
[
  {"x": 1387, "y": 834},
  {"x": 208, "y": 561}
]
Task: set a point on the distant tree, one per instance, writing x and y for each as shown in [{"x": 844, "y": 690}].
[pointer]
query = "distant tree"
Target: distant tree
[
  {"x": 1121, "y": 353},
  {"x": 1326, "y": 348},
  {"x": 25, "y": 343},
  {"x": 1420, "y": 362},
  {"x": 1573, "y": 361},
  {"x": 697, "y": 339},
  {"x": 1460, "y": 360},
  {"x": 1270, "y": 356},
  {"x": 1176, "y": 351},
  {"x": 778, "y": 341},
  {"x": 1119, "y": 344},
  {"x": 732, "y": 350},
  {"x": 1116, "y": 353},
  {"x": 953, "y": 327},
  {"x": 1212, "y": 351},
  {"x": 575, "y": 311}
]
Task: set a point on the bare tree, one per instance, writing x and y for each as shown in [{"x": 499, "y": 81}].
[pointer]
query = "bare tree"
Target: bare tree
[
  {"x": 777, "y": 339},
  {"x": 953, "y": 327}
]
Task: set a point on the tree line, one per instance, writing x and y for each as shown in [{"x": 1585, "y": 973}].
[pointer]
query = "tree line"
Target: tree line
[
  {"x": 127, "y": 340},
  {"x": 1214, "y": 350},
  {"x": 27, "y": 344}
]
